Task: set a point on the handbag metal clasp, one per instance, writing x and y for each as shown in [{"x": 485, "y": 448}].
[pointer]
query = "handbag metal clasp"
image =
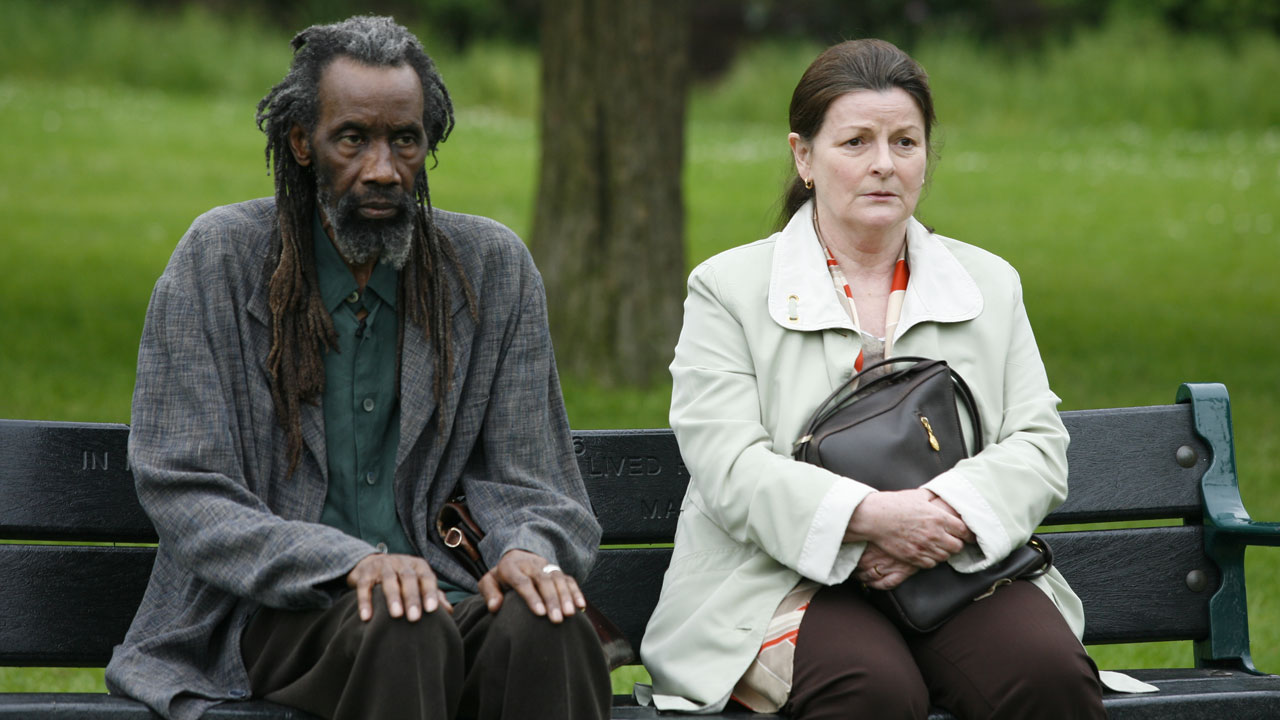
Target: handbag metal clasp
[
  {"x": 453, "y": 538},
  {"x": 933, "y": 439}
]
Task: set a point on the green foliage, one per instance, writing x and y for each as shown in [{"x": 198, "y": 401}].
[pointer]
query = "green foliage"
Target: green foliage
[
  {"x": 1129, "y": 173},
  {"x": 187, "y": 51},
  {"x": 1214, "y": 16},
  {"x": 1024, "y": 24},
  {"x": 190, "y": 50},
  {"x": 1132, "y": 70},
  {"x": 497, "y": 78}
]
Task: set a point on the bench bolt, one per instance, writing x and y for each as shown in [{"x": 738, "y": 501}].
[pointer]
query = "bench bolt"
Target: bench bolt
[
  {"x": 1186, "y": 456},
  {"x": 1197, "y": 580}
]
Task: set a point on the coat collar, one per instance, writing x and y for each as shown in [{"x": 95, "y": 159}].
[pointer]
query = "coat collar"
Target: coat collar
[{"x": 801, "y": 296}]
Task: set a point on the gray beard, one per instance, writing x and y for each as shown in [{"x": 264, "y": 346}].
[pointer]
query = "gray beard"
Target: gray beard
[{"x": 360, "y": 240}]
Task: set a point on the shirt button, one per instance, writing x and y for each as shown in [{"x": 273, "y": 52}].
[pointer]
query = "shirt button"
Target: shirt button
[
  {"x": 367, "y": 404},
  {"x": 238, "y": 693},
  {"x": 354, "y": 297},
  {"x": 370, "y": 478},
  {"x": 382, "y": 547}
]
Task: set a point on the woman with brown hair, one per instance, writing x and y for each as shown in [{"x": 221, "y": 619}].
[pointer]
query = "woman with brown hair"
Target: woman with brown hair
[{"x": 763, "y": 604}]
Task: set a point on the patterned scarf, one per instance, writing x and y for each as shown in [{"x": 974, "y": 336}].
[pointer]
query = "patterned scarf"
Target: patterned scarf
[{"x": 897, "y": 291}]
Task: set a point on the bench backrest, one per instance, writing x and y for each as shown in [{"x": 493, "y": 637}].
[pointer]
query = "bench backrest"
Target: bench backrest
[{"x": 69, "y": 603}]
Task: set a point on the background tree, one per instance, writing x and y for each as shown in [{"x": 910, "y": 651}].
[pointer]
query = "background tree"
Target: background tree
[{"x": 608, "y": 230}]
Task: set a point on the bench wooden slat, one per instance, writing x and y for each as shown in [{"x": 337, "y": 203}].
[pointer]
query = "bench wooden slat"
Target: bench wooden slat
[
  {"x": 45, "y": 625},
  {"x": 636, "y": 480},
  {"x": 86, "y": 706},
  {"x": 1123, "y": 465},
  {"x": 1134, "y": 583},
  {"x": 1185, "y": 694},
  {"x": 57, "y": 477},
  {"x": 67, "y": 605},
  {"x": 625, "y": 584},
  {"x": 1101, "y": 566}
]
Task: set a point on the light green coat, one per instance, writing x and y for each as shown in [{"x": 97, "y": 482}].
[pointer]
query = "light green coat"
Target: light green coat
[{"x": 765, "y": 339}]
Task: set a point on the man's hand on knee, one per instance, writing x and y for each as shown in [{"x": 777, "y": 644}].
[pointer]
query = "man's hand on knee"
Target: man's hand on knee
[
  {"x": 546, "y": 588},
  {"x": 408, "y": 584}
]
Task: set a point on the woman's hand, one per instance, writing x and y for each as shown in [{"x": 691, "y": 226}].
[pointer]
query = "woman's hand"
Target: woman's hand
[
  {"x": 909, "y": 526},
  {"x": 945, "y": 506},
  {"x": 880, "y": 570}
]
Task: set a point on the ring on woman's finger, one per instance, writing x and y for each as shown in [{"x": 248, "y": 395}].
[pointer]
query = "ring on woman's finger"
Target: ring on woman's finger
[
  {"x": 550, "y": 568},
  {"x": 876, "y": 570}
]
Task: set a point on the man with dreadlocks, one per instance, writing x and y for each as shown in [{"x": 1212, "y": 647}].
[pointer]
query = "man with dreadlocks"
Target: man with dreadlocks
[{"x": 318, "y": 374}]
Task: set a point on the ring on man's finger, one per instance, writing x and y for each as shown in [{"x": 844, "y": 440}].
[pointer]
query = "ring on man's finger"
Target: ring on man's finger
[{"x": 550, "y": 568}]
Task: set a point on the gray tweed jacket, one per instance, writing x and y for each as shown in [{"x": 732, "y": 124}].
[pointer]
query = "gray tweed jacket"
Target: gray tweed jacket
[{"x": 209, "y": 462}]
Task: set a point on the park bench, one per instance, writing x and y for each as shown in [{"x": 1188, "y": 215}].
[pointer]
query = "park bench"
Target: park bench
[{"x": 67, "y": 604}]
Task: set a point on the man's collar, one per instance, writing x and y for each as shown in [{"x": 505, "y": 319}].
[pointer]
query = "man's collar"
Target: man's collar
[
  {"x": 335, "y": 278},
  {"x": 384, "y": 282},
  {"x": 802, "y": 296}
]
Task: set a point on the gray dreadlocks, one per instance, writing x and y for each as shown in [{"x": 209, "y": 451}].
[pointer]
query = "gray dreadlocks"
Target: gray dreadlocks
[{"x": 302, "y": 329}]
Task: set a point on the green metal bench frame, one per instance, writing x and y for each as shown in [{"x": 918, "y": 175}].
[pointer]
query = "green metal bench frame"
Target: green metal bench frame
[{"x": 1228, "y": 530}]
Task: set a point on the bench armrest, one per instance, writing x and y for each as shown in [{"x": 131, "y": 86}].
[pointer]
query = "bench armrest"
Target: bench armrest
[
  {"x": 1220, "y": 487},
  {"x": 1228, "y": 529},
  {"x": 1246, "y": 531}
]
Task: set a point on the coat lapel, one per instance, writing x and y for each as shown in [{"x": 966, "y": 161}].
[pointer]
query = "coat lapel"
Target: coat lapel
[
  {"x": 417, "y": 377},
  {"x": 801, "y": 296},
  {"x": 313, "y": 436},
  {"x": 417, "y": 394},
  {"x": 941, "y": 289}
]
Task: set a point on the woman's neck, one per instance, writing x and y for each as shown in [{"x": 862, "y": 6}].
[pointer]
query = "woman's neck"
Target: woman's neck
[
  {"x": 868, "y": 264},
  {"x": 862, "y": 254}
]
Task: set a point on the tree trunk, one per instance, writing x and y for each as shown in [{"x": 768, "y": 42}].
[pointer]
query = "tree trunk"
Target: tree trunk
[{"x": 608, "y": 230}]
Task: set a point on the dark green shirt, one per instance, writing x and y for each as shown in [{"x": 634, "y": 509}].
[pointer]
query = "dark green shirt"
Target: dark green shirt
[{"x": 361, "y": 410}]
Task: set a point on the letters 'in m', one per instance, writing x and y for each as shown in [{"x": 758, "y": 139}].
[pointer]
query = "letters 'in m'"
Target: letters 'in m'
[{"x": 92, "y": 460}]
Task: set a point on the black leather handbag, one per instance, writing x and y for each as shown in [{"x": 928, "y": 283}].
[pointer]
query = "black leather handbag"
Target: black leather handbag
[{"x": 894, "y": 426}]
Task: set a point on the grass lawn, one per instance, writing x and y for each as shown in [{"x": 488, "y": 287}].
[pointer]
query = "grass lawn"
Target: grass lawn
[{"x": 1147, "y": 252}]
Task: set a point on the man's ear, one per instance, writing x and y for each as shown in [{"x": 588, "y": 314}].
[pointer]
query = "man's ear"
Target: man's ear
[{"x": 300, "y": 144}]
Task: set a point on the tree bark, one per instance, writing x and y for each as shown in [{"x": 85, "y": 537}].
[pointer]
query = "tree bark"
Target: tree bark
[{"x": 608, "y": 230}]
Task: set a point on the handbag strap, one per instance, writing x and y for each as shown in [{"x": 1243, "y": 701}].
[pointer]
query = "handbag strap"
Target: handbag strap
[{"x": 854, "y": 387}]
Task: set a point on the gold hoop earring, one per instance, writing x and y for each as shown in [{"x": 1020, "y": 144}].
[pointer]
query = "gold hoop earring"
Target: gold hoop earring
[{"x": 808, "y": 184}]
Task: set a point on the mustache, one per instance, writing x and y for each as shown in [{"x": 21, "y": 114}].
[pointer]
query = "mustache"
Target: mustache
[{"x": 396, "y": 196}]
